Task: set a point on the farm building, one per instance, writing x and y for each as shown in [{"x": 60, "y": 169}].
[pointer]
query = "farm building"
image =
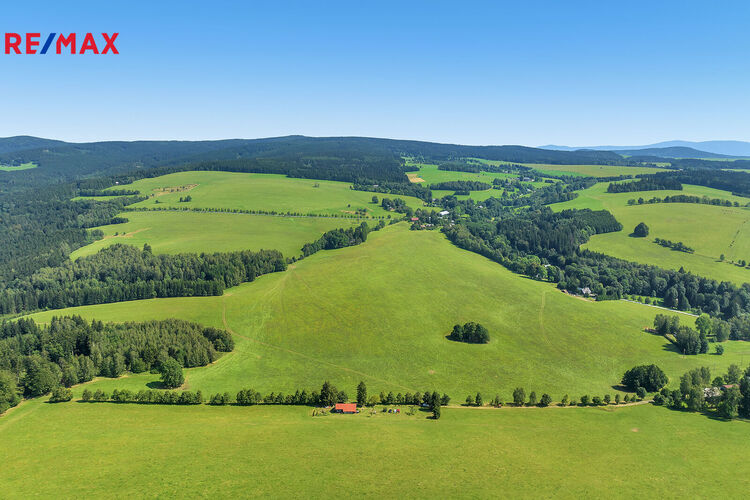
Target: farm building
[
  {"x": 443, "y": 213},
  {"x": 345, "y": 408}
]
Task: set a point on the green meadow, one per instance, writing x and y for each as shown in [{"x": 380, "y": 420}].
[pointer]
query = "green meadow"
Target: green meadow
[
  {"x": 380, "y": 312},
  {"x": 266, "y": 192},
  {"x": 184, "y": 232},
  {"x": 710, "y": 230},
  {"x": 592, "y": 170},
  {"x": 23, "y": 166},
  {"x": 110, "y": 450}
]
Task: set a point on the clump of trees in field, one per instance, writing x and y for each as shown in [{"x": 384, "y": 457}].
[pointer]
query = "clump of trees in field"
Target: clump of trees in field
[
  {"x": 37, "y": 359},
  {"x": 340, "y": 238},
  {"x": 687, "y": 340},
  {"x": 641, "y": 230},
  {"x": 650, "y": 377},
  {"x": 728, "y": 396},
  {"x": 471, "y": 333},
  {"x": 395, "y": 205}
]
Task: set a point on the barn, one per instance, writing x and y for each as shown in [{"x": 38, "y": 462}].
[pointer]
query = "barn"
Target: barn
[{"x": 345, "y": 408}]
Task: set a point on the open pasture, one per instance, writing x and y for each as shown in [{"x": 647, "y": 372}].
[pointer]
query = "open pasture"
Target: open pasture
[
  {"x": 108, "y": 450},
  {"x": 265, "y": 192},
  {"x": 185, "y": 232}
]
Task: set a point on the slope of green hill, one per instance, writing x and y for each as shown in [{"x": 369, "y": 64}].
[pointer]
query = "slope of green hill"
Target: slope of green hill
[
  {"x": 265, "y": 192},
  {"x": 380, "y": 312}
]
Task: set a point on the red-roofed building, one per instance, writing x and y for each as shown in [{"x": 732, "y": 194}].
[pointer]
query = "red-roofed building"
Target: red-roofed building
[{"x": 345, "y": 408}]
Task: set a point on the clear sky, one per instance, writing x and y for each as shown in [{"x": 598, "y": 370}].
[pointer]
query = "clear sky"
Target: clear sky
[{"x": 521, "y": 72}]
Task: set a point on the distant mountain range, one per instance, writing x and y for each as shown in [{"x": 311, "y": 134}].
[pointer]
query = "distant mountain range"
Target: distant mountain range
[{"x": 717, "y": 149}]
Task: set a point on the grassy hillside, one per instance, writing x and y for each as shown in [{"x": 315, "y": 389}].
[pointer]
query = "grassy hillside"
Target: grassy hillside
[
  {"x": 23, "y": 166},
  {"x": 258, "y": 192},
  {"x": 710, "y": 230},
  {"x": 54, "y": 450},
  {"x": 181, "y": 232},
  {"x": 380, "y": 312}
]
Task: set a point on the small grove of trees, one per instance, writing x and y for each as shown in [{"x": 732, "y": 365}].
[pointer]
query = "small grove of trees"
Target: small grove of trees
[
  {"x": 641, "y": 230},
  {"x": 339, "y": 238},
  {"x": 649, "y": 377},
  {"x": 687, "y": 340},
  {"x": 472, "y": 333}
]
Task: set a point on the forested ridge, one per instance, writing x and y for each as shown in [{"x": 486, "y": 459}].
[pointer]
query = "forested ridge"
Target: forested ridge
[{"x": 41, "y": 228}]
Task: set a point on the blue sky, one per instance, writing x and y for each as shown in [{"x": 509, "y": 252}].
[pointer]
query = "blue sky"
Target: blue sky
[{"x": 576, "y": 73}]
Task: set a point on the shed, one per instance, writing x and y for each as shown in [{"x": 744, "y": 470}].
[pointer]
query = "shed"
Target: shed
[{"x": 345, "y": 408}]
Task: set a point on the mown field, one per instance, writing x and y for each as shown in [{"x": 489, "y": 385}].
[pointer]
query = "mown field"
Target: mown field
[
  {"x": 183, "y": 232},
  {"x": 710, "y": 230},
  {"x": 229, "y": 190},
  {"x": 84, "y": 450},
  {"x": 380, "y": 312},
  {"x": 23, "y": 166}
]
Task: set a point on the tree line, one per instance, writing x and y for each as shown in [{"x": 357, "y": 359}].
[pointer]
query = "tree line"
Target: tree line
[
  {"x": 122, "y": 272},
  {"x": 649, "y": 183},
  {"x": 685, "y": 198},
  {"x": 674, "y": 245},
  {"x": 461, "y": 186}
]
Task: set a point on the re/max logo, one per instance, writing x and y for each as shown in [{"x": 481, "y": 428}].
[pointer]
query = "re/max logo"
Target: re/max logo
[{"x": 29, "y": 43}]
